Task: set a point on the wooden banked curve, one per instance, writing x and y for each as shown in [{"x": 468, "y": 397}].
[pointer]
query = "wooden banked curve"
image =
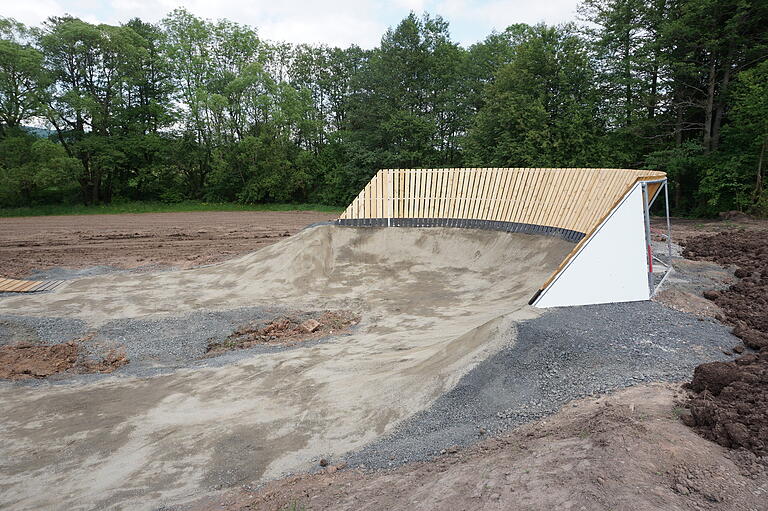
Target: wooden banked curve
[
  {"x": 572, "y": 200},
  {"x": 570, "y": 203},
  {"x": 28, "y": 286}
]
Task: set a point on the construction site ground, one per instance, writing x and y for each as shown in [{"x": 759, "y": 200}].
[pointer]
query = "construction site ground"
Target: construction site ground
[{"x": 368, "y": 369}]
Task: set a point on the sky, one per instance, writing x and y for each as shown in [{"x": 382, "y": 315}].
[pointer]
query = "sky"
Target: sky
[{"x": 333, "y": 22}]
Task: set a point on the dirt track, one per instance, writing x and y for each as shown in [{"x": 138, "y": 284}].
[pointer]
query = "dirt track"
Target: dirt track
[
  {"x": 626, "y": 451},
  {"x": 155, "y": 239}
]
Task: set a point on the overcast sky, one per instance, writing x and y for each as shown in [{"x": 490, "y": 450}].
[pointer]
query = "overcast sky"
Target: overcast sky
[{"x": 334, "y": 22}]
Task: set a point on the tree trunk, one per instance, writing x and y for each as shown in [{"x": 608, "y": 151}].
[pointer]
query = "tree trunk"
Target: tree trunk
[
  {"x": 722, "y": 96},
  {"x": 654, "y": 91},
  {"x": 709, "y": 108},
  {"x": 759, "y": 177}
]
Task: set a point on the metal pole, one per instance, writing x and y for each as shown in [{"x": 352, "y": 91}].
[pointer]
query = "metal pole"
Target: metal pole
[
  {"x": 669, "y": 225},
  {"x": 648, "y": 238}
]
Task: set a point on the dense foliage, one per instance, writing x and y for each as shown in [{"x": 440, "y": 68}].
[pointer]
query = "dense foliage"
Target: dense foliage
[{"x": 194, "y": 109}]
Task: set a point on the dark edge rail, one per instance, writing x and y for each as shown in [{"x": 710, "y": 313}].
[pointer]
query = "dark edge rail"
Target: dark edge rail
[{"x": 492, "y": 225}]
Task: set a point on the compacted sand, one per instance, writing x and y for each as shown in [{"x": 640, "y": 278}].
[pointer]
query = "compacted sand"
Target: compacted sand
[{"x": 433, "y": 303}]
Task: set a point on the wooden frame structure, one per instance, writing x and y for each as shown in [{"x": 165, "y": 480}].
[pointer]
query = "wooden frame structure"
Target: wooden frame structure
[
  {"x": 572, "y": 203},
  {"x": 27, "y": 286}
]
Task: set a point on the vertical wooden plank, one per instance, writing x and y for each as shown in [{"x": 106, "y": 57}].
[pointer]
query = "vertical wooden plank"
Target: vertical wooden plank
[
  {"x": 580, "y": 180},
  {"x": 454, "y": 193},
  {"x": 505, "y": 202},
  {"x": 487, "y": 194},
  {"x": 512, "y": 197},
  {"x": 462, "y": 195},
  {"x": 532, "y": 182},
  {"x": 479, "y": 190},
  {"x": 402, "y": 183},
  {"x": 439, "y": 192},
  {"x": 428, "y": 195},
  {"x": 477, "y": 175},
  {"x": 500, "y": 187},
  {"x": 548, "y": 177},
  {"x": 517, "y": 195},
  {"x": 553, "y": 203}
]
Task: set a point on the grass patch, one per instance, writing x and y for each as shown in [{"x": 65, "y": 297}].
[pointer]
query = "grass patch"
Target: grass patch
[{"x": 159, "y": 207}]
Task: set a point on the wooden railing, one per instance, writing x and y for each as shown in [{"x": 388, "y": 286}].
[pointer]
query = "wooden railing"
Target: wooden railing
[{"x": 570, "y": 199}]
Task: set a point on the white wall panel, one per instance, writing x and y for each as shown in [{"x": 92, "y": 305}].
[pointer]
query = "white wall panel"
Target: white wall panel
[{"x": 612, "y": 266}]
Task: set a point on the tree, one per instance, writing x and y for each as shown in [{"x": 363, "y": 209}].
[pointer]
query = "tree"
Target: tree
[
  {"x": 541, "y": 109},
  {"x": 23, "y": 79}
]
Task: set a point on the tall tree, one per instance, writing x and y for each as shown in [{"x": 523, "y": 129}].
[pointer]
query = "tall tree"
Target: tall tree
[
  {"x": 541, "y": 110},
  {"x": 23, "y": 79}
]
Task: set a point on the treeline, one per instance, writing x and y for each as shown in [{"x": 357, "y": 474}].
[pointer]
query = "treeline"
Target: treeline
[{"x": 195, "y": 109}]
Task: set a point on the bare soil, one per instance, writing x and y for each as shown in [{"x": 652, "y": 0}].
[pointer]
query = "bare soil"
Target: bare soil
[
  {"x": 24, "y": 361},
  {"x": 744, "y": 303},
  {"x": 147, "y": 239},
  {"x": 286, "y": 330},
  {"x": 730, "y": 399},
  {"x": 625, "y": 451},
  {"x": 730, "y": 402},
  {"x": 685, "y": 228}
]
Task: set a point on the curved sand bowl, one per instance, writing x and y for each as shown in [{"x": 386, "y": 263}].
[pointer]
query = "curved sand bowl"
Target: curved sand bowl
[{"x": 434, "y": 302}]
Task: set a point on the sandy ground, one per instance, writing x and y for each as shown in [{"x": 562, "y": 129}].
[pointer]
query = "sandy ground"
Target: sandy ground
[
  {"x": 156, "y": 239},
  {"x": 146, "y": 443},
  {"x": 433, "y": 304},
  {"x": 627, "y": 451}
]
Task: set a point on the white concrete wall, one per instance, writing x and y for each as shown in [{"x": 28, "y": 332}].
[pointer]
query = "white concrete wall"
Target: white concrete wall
[{"x": 612, "y": 266}]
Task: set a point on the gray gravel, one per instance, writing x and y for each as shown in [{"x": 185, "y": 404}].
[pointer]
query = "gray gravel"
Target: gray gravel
[
  {"x": 153, "y": 346},
  {"x": 565, "y": 354}
]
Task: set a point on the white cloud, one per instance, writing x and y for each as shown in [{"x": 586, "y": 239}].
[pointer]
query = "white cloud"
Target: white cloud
[{"x": 334, "y": 22}]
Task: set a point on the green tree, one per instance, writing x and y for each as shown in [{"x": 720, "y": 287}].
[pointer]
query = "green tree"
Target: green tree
[
  {"x": 541, "y": 109},
  {"x": 23, "y": 79}
]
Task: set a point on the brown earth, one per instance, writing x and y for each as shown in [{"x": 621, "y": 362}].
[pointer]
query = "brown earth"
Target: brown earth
[
  {"x": 146, "y": 239},
  {"x": 684, "y": 228},
  {"x": 24, "y": 361},
  {"x": 744, "y": 303},
  {"x": 731, "y": 398},
  {"x": 286, "y": 331},
  {"x": 730, "y": 403},
  {"x": 626, "y": 451}
]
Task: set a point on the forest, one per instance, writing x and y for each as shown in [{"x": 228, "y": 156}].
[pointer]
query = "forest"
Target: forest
[{"x": 196, "y": 109}]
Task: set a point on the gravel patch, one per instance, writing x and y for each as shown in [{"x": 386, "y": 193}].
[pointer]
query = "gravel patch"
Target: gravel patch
[
  {"x": 565, "y": 354},
  {"x": 153, "y": 346}
]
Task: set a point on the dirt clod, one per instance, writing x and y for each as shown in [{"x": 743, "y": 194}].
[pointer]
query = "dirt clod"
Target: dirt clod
[
  {"x": 25, "y": 360},
  {"x": 730, "y": 398},
  {"x": 285, "y": 331},
  {"x": 730, "y": 402},
  {"x": 745, "y": 303}
]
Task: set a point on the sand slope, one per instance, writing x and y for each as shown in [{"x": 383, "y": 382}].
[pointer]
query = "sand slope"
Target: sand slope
[{"x": 433, "y": 301}]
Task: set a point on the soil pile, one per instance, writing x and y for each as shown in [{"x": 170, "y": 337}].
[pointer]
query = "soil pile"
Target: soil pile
[
  {"x": 285, "y": 331},
  {"x": 26, "y": 360},
  {"x": 745, "y": 303},
  {"x": 730, "y": 398},
  {"x": 730, "y": 403}
]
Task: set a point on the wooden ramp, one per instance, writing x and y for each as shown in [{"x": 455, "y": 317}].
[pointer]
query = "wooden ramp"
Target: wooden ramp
[
  {"x": 570, "y": 203},
  {"x": 570, "y": 200},
  {"x": 28, "y": 286}
]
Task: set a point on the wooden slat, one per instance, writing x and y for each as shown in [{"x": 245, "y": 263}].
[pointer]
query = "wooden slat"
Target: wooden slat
[
  {"x": 572, "y": 199},
  {"x": 23, "y": 286}
]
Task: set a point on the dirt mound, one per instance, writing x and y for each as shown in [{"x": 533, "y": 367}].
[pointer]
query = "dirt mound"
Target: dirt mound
[
  {"x": 285, "y": 330},
  {"x": 745, "y": 303},
  {"x": 25, "y": 360},
  {"x": 730, "y": 403},
  {"x": 730, "y": 398}
]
